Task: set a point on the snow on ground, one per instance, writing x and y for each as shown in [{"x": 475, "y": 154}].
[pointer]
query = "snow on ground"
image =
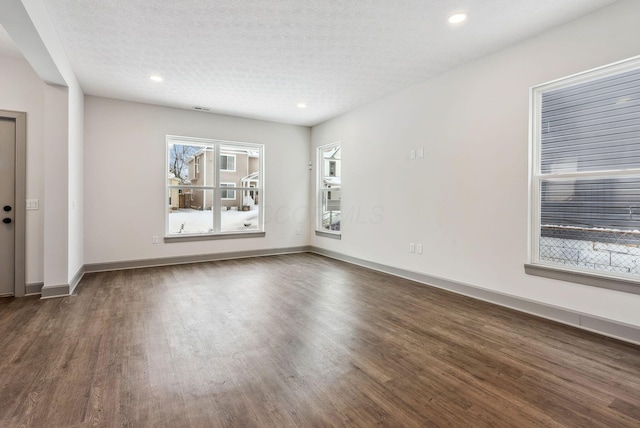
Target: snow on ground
[{"x": 196, "y": 221}]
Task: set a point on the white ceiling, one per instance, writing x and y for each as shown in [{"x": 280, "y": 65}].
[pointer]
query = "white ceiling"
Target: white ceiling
[{"x": 259, "y": 58}]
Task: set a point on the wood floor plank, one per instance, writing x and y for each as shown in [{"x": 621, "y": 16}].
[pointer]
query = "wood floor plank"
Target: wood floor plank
[{"x": 299, "y": 341}]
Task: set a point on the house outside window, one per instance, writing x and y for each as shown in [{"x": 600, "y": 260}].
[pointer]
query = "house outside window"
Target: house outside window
[
  {"x": 585, "y": 176},
  {"x": 214, "y": 188},
  {"x": 328, "y": 215}
]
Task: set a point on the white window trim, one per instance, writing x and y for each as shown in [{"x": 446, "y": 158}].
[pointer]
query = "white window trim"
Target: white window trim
[
  {"x": 217, "y": 205},
  {"x": 534, "y": 265},
  {"x": 319, "y": 190}
]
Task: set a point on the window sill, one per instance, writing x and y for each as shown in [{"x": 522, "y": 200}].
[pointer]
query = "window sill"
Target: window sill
[
  {"x": 209, "y": 237},
  {"x": 332, "y": 235},
  {"x": 586, "y": 278}
]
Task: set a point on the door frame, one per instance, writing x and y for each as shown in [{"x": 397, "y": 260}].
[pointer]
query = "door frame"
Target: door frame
[{"x": 20, "y": 171}]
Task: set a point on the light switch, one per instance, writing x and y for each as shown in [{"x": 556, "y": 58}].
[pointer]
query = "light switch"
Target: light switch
[{"x": 33, "y": 204}]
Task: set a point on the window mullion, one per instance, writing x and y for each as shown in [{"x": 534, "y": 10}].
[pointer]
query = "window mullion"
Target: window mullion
[{"x": 217, "y": 192}]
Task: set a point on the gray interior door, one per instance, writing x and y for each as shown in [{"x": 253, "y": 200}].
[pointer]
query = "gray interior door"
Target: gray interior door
[{"x": 7, "y": 205}]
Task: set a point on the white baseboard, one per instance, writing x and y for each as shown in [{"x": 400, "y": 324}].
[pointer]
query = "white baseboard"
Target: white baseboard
[
  {"x": 198, "y": 258},
  {"x": 33, "y": 288},
  {"x": 53, "y": 291}
]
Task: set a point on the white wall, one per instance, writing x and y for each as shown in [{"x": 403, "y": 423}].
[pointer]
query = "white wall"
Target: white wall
[
  {"x": 56, "y": 182},
  {"x": 466, "y": 201},
  {"x": 76, "y": 180},
  {"x": 22, "y": 90},
  {"x": 64, "y": 217},
  {"x": 125, "y": 178}
]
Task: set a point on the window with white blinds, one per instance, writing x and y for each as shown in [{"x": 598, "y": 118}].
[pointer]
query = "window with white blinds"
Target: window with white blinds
[{"x": 585, "y": 183}]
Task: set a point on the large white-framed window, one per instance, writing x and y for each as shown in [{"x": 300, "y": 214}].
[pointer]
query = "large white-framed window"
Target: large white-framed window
[
  {"x": 585, "y": 178},
  {"x": 329, "y": 185},
  {"x": 215, "y": 189}
]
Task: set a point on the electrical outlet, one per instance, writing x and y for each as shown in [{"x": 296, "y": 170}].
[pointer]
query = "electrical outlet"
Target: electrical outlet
[
  {"x": 154, "y": 239},
  {"x": 419, "y": 248},
  {"x": 412, "y": 247},
  {"x": 421, "y": 153},
  {"x": 412, "y": 154}
]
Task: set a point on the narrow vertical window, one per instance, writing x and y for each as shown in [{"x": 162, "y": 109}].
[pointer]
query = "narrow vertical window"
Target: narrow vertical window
[{"x": 329, "y": 189}]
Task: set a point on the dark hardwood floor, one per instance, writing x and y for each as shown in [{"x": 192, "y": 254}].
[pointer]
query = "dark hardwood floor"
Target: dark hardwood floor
[{"x": 299, "y": 340}]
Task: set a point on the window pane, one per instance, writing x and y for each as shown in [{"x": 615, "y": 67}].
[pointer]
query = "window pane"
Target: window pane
[
  {"x": 592, "y": 223},
  {"x": 331, "y": 166},
  {"x": 611, "y": 203},
  {"x": 245, "y": 217},
  {"x": 592, "y": 126},
  {"x": 190, "y": 164},
  {"x": 330, "y": 210},
  {"x": 190, "y": 211},
  {"x": 240, "y": 208}
]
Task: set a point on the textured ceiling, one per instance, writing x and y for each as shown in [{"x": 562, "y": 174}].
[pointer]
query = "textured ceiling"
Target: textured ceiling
[
  {"x": 7, "y": 47},
  {"x": 259, "y": 58}
]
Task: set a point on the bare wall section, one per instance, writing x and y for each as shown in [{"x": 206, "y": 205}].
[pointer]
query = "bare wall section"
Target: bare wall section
[
  {"x": 466, "y": 201},
  {"x": 76, "y": 181},
  {"x": 125, "y": 178}
]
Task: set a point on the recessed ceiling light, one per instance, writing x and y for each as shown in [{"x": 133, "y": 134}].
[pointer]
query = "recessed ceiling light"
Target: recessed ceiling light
[
  {"x": 458, "y": 18},
  {"x": 301, "y": 105},
  {"x": 156, "y": 78}
]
